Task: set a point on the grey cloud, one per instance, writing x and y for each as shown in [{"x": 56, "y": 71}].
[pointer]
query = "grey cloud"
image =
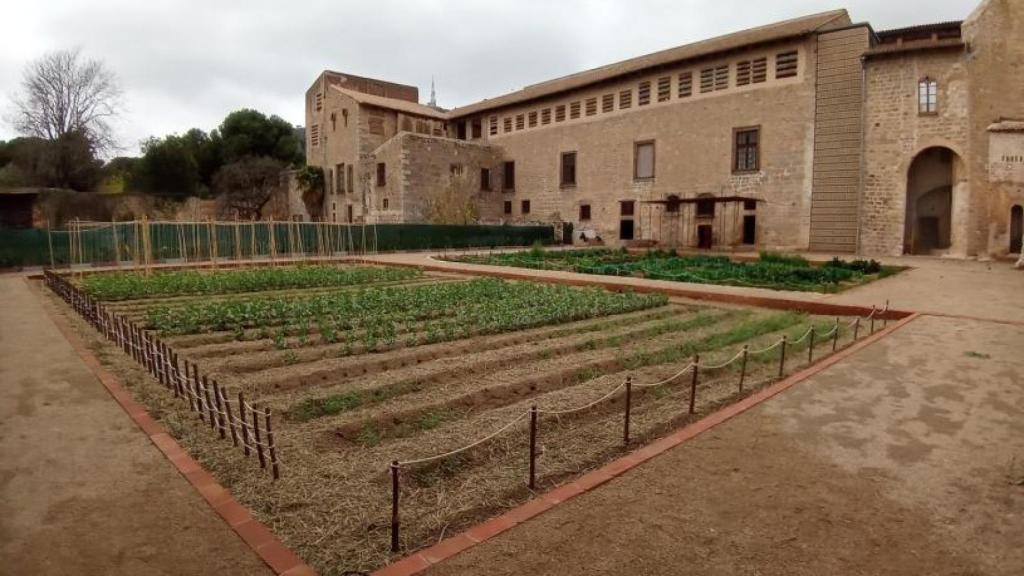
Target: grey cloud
[{"x": 187, "y": 63}]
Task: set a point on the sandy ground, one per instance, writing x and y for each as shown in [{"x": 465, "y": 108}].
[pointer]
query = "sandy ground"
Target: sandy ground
[
  {"x": 907, "y": 458},
  {"x": 82, "y": 490},
  {"x": 989, "y": 290}
]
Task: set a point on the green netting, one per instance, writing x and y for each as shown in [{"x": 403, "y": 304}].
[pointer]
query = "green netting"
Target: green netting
[{"x": 105, "y": 243}]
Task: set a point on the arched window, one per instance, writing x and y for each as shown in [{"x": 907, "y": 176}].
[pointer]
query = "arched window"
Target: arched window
[{"x": 927, "y": 96}]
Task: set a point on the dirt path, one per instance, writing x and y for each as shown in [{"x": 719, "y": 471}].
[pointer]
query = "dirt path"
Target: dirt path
[
  {"x": 82, "y": 490},
  {"x": 907, "y": 458}
]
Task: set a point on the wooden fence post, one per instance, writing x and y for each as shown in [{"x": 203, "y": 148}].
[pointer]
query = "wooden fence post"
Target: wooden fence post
[
  {"x": 856, "y": 328},
  {"x": 743, "y": 365},
  {"x": 810, "y": 348},
  {"x": 257, "y": 439},
  {"x": 271, "y": 446},
  {"x": 629, "y": 401},
  {"x": 220, "y": 411},
  {"x": 394, "y": 506},
  {"x": 693, "y": 383},
  {"x": 231, "y": 417},
  {"x": 782, "y": 356},
  {"x": 210, "y": 410},
  {"x": 245, "y": 424},
  {"x": 533, "y": 448}
]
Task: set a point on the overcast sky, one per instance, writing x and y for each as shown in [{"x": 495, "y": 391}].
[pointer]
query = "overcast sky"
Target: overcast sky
[{"x": 187, "y": 63}]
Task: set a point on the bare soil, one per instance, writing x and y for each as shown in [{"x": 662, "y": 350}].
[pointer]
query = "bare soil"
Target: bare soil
[{"x": 82, "y": 490}]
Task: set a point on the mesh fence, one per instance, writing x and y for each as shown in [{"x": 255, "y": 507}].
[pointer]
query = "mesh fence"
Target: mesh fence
[{"x": 168, "y": 242}]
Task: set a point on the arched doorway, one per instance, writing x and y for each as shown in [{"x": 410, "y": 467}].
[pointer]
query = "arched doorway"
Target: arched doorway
[
  {"x": 929, "y": 214},
  {"x": 1016, "y": 229}
]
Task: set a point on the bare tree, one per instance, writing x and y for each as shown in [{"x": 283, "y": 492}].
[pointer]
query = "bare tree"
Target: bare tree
[{"x": 62, "y": 94}]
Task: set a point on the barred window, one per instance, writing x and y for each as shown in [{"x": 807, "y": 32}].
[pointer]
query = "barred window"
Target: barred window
[
  {"x": 707, "y": 80},
  {"x": 722, "y": 77},
  {"x": 625, "y": 99},
  {"x": 560, "y": 113},
  {"x": 664, "y": 89},
  {"x": 685, "y": 84},
  {"x": 533, "y": 119},
  {"x": 747, "y": 151},
  {"x": 743, "y": 73},
  {"x": 591, "y": 106},
  {"x": 607, "y": 103},
  {"x": 759, "y": 70},
  {"x": 574, "y": 110},
  {"x": 314, "y": 135},
  {"x": 508, "y": 124},
  {"x": 494, "y": 126},
  {"x": 786, "y": 64},
  {"x": 643, "y": 95},
  {"x": 520, "y": 121},
  {"x": 545, "y": 116}
]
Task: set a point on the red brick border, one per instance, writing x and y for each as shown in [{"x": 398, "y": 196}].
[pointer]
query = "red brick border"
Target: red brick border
[
  {"x": 253, "y": 532},
  {"x": 420, "y": 561}
]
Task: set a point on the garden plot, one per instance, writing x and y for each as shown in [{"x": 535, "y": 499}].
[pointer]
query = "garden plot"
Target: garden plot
[{"x": 406, "y": 367}]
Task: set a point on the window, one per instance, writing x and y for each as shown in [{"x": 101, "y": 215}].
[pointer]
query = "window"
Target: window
[
  {"x": 314, "y": 135},
  {"x": 339, "y": 187},
  {"x": 743, "y": 73},
  {"x": 509, "y": 181},
  {"x": 524, "y": 206},
  {"x": 759, "y": 70},
  {"x": 319, "y": 101},
  {"x": 607, "y": 103},
  {"x": 568, "y": 171},
  {"x": 351, "y": 215},
  {"x": 746, "y": 157},
  {"x": 508, "y": 206},
  {"x": 705, "y": 206},
  {"x": 643, "y": 160},
  {"x": 493, "y": 128},
  {"x": 643, "y": 94},
  {"x": 685, "y": 84},
  {"x": 574, "y": 110},
  {"x": 385, "y": 203},
  {"x": 722, "y": 77},
  {"x": 381, "y": 174},
  {"x": 508, "y": 124},
  {"x": 625, "y": 99},
  {"x": 707, "y": 80},
  {"x": 786, "y": 64},
  {"x": 584, "y": 212},
  {"x": 485, "y": 179},
  {"x": 520, "y": 121},
  {"x": 928, "y": 96},
  {"x": 750, "y": 204},
  {"x": 591, "y": 106},
  {"x": 664, "y": 89},
  {"x": 627, "y": 207},
  {"x": 351, "y": 180},
  {"x": 330, "y": 181},
  {"x": 455, "y": 169},
  {"x": 545, "y": 116},
  {"x": 478, "y": 130},
  {"x": 560, "y": 113},
  {"x": 533, "y": 119}
]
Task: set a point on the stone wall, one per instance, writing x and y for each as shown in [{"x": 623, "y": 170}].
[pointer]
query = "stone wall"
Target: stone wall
[{"x": 895, "y": 133}]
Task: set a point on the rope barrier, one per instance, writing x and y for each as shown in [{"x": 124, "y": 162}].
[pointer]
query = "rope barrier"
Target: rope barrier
[
  {"x": 667, "y": 380},
  {"x": 585, "y": 406},
  {"x": 467, "y": 447}
]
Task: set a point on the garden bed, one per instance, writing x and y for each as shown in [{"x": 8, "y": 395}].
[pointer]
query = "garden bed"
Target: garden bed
[
  {"x": 771, "y": 271},
  {"x": 361, "y": 374}
]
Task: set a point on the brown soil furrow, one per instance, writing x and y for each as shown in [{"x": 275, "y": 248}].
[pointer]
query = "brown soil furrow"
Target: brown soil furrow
[{"x": 402, "y": 355}]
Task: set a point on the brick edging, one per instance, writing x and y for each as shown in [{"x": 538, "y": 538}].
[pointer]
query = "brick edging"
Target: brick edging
[
  {"x": 254, "y": 533},
  {"x": 420, "y": 561}
]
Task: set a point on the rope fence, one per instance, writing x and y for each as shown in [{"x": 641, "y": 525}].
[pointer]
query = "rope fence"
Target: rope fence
[
  {"x": 249, "y": 427},
  {"x": 694, "y": 368}
]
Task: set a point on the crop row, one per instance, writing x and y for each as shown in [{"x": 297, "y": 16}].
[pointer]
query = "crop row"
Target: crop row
[
  {"x": 132, "y": 285},
  {"x": 443, "y": 311}
]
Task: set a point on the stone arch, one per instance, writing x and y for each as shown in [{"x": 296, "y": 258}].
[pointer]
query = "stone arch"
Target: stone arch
[{"x": 934, "y": 194}]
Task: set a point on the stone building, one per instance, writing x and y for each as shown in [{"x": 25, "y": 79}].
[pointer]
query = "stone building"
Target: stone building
[{"x": 816, "y": 133}]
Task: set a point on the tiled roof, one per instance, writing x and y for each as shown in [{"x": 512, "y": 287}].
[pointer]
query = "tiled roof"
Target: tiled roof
[
  {"x": 392, "y": 104},
  {"x": 773, "y": 32}
]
